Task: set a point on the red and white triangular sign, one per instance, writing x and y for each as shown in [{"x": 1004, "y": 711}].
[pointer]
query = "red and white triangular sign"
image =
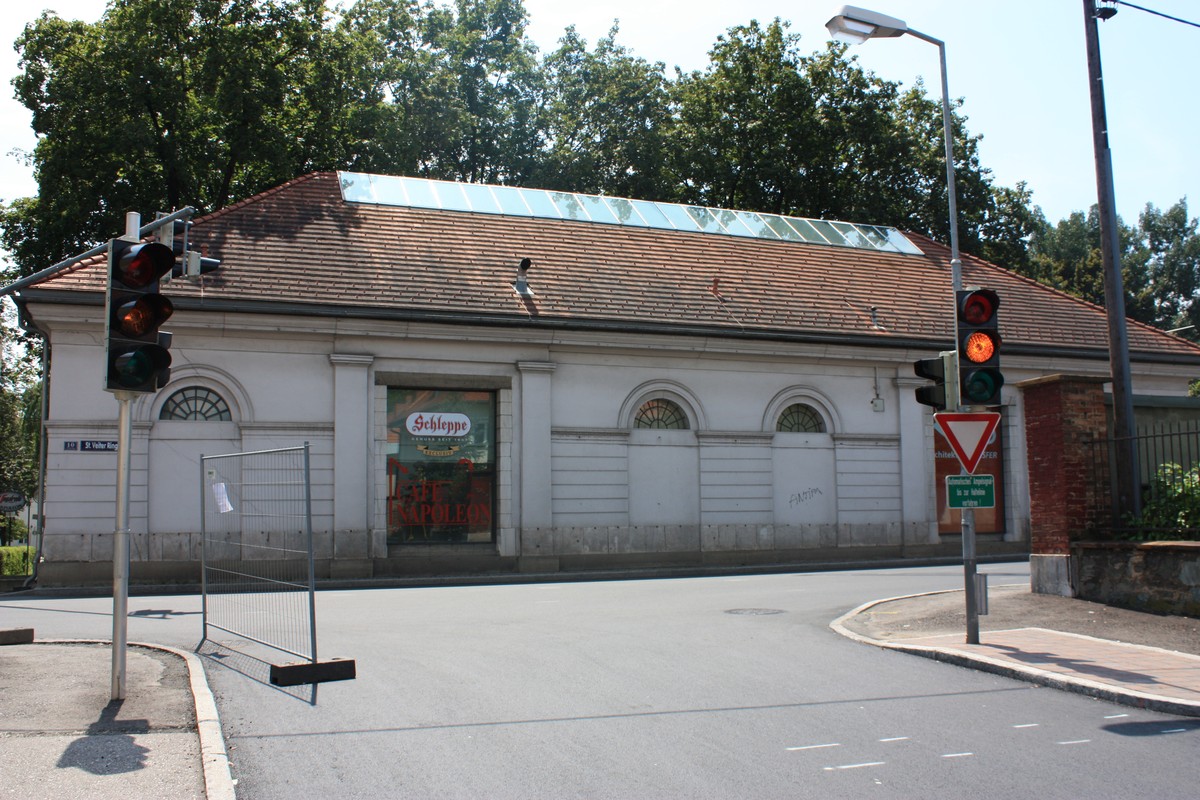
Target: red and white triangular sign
[{"x": 968, "y": 434}]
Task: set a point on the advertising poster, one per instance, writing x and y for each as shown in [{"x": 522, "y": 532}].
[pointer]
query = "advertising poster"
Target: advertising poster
[{"x": 440, "y": 466}]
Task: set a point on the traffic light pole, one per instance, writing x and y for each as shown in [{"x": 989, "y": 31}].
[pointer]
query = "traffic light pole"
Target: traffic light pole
[
  {"x": 969, "y": 582},
  {"x": 120, "y": 638},
  {"x": 121, "y": 545}
]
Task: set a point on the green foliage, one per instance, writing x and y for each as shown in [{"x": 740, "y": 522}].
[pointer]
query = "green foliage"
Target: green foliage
[
  {"x": 15, "y": 560},
  {"x": 1160, "y": 263},
  {"x": 746, "y": 126},
  {"x": 1172, "y": 503},
  {"x": 20, "y": 415},
  {"x": 605, "y": 118}
]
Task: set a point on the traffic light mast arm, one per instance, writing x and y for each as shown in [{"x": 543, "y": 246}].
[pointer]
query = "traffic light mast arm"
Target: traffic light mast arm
[{"x": 49, "y": 272}]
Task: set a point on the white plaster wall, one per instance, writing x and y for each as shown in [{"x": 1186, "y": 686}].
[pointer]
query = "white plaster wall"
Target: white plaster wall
[
  {"x": 664, "y": 478},
  {"x": 804, "y": 479},
  {"x": 730, "y": 482}
]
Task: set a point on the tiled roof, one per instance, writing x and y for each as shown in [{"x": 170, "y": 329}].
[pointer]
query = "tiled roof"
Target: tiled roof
[{"x": 301, "y": 245}]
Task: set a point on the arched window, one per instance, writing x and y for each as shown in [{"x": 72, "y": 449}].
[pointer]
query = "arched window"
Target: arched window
[
  {"x": 196, "y": 403},
  {"x": 661, "y": 413},
  {"x": 800, "y": 418}
]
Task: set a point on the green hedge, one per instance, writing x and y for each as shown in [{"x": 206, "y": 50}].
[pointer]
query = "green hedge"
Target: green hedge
[
  {"x": 1171, "y": 509},
  {"x": 16, "y": 560}
]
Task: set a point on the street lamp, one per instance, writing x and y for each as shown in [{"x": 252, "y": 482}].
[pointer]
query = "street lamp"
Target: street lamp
[{"x": 857, "y": 25}]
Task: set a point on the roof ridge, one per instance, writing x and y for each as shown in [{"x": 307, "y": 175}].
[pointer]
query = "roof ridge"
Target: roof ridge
[{"x": 274, "y": 190}]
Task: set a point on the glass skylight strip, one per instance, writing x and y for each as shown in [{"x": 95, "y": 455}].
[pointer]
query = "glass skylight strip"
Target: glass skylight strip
[{"x": 394, "y": 190}]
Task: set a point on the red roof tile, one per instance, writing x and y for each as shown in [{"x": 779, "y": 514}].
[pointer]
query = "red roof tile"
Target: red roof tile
[{"x": 302, "y": 245}]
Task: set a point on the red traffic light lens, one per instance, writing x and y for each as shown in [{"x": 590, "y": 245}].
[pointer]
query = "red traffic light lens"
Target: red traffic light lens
[
  {"x": 979, "y": 307},
  {"x": 980, "y": 347},
  {"x": 143, "y": 264}
]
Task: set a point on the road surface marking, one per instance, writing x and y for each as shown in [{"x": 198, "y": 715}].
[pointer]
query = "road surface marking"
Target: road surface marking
[
  {"x": 857, "y": 766},
  {"x": 895, "y": 739},
  {"x": 1177, "y": 730},
  {"x": 1076, "y": 741},
  {"x": 957, "y": 755},
  {"x": 1116, "y": 716},
  {"x": 1028, "y": 725},
  {"x": 813, "y": 747}
]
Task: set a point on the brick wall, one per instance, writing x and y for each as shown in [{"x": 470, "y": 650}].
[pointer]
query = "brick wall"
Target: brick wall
[{"x": 1062, "y": 413}]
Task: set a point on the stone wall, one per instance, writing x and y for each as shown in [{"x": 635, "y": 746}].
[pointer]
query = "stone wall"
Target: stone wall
[{"x": 1161, "y": 577}]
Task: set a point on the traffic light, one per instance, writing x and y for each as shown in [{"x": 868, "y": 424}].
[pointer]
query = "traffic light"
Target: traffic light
[
  {"x": 136, "y": 351},
  {"x": 979, "y": 378},
  {"x": 941, "y": 395},
  {"x": 190, "y": 263}
]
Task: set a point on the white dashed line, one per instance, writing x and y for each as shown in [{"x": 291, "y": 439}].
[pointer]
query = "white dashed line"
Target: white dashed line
[
  {"x": 1076, "y": 741},
  {"x": 1116, "y": 716},
  {"x": 857, "y": 766},
  {"x": 1176, "y": 730},
  {"x": 895, "y": 739},
  {"x": 1028, "y": 725},
  {"x": 812, "y": 747},
  {"x": 957, "y": 755}
]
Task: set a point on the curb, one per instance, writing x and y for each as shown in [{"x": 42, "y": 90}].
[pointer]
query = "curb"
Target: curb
[
  {"x": 1101, "y": 691},
  {"x": 214, "y": 757}
]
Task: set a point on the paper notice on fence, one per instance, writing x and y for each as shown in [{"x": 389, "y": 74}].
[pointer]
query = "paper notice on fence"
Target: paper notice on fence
[{"x": 222, "y": 498}]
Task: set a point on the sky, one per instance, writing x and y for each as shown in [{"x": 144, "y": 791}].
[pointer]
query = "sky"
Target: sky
[{"x": 1019, "y": 65}]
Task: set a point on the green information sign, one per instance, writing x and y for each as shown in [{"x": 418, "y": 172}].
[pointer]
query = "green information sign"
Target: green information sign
[{"x": 970, "y": 491}]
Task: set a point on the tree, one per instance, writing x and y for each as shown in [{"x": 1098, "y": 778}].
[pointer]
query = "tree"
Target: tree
[
  {"x": 745, "y": 127},
  {"x": 859, "y": 167},
  {"x": 159, "y": 104},
  {"x": 490, "y": 96},
  {"x": 1011, "y": 222},
  {"x": 604, "y": 118},
  {"x": 20, "y": 417},
  {"x": 164, "y": 103},
  {"x": 1160, "y": 263},
  {"x": 1172, "y": 244}
]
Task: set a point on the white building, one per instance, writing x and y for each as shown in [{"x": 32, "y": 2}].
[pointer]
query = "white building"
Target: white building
[{"x": 676, "y": 386}]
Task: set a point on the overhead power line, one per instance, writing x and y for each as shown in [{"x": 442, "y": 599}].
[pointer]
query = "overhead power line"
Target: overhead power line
[{"x": 1157, "y": 13}]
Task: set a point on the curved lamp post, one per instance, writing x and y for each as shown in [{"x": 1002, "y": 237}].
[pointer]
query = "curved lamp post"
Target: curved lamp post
[{"x": 857, "y": 25}]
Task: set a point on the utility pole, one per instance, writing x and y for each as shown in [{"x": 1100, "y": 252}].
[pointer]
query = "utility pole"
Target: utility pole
[{"x": 1129, "y": 498}]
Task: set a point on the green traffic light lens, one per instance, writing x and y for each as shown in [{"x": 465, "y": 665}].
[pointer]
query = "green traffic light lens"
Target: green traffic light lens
[
  {"x": 135, "y": 369},
  {"x": 981, "y": 386}
]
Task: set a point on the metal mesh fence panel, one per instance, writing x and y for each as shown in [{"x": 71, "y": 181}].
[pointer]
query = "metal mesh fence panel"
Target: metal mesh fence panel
[{"x": 257, "y": 572}]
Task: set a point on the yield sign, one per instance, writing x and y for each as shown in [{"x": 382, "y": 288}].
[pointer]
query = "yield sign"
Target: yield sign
[{"x": 968, "y": 434}]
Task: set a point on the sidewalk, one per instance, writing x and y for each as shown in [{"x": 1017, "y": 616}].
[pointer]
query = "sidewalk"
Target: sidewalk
[
  {"x": 163, "y": 741},
  {"x": 1127, "y": 657}
]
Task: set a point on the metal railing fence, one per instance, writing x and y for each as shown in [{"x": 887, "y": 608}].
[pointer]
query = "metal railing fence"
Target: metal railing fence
[
  {"x": 257, "y": 576},
  {"x": 1168, "y": 459}
]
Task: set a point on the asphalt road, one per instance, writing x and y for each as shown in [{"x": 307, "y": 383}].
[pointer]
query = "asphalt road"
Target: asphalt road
[{"x": 706, "y": 687}]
